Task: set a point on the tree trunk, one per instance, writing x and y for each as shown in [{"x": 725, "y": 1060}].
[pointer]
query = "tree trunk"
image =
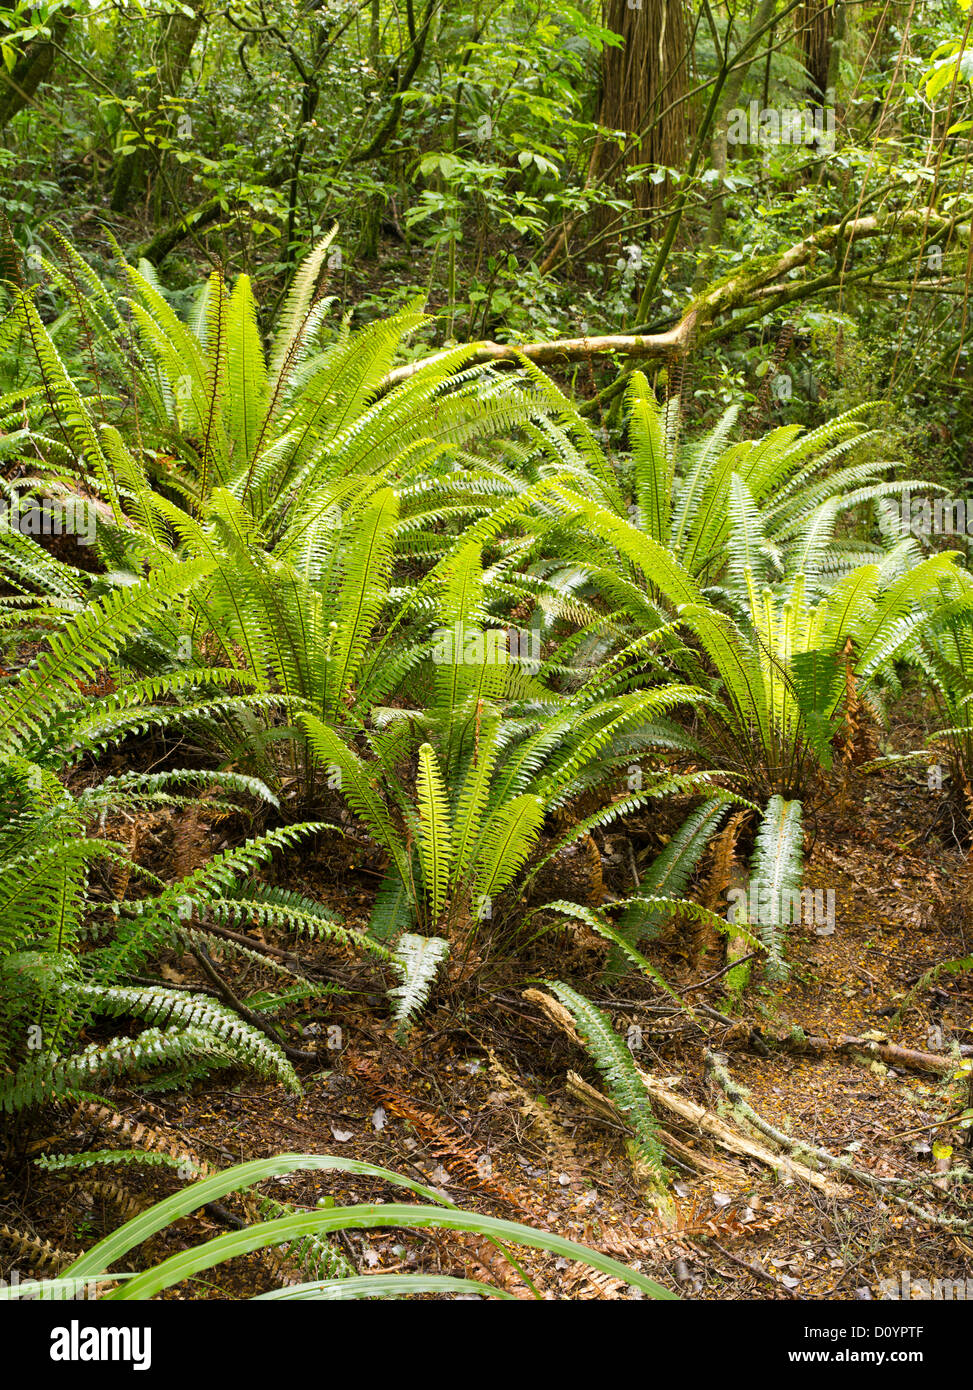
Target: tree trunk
[
  {"x": 640, "y": 82},
  {"x": 816, "y": 21},
  {"x": 838, "y": 38},
  {"x": 177, "y": 42},
  {"x": 17, "y": 88}
]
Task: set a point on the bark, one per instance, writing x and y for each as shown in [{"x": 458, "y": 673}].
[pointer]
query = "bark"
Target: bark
[
  {"x": 418, "y": 37},
  {"x": 903, "y": 1058},
  {"x": 659, "y": 346},
  {"x": 889, "y": 1190},
  {"x": 733, "y": 1140},
  {"x": 679, "y": 1151},
  {"x": 18, "y": 88},
  {"x": 653, "y": 1183},
  {"x": 838, "y": 39},
  {"x": 639, "y": 81},
  {"x": 177, "y": 41},
  {"x": 816, "y": 20}
]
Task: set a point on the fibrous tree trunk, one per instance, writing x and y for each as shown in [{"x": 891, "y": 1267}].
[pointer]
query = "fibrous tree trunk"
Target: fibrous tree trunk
[
  {"x": 643, "y": 83},
  {"x": 816, "y": 22}
]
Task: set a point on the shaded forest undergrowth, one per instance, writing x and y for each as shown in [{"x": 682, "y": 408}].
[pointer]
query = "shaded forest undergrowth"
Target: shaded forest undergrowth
[
  {"x": 383, "y": 690},
  {"x": 487, "y": 1101}
]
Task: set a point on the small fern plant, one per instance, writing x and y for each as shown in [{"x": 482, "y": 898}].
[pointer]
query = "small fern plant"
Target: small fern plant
[
  {"x": 456, "y": 847},
  {"x": 614, "y": 1061},
  {"x": 782, "y": 671},
  {"x": 54, "y": 979},
  {"x": 774, "y": 897}
]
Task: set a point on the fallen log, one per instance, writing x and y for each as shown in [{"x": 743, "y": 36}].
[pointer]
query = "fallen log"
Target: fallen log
[
  {"x": 888, "y": 1189},
  {"x": 733, "y": 1140},
  {"x": 659, "y": 346},
  {"x": 874, "y": 1044}
]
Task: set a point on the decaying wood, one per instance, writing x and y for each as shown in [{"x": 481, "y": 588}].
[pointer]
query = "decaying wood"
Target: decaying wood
[
  {"x": 889, "y": 1189},
  {"x": 697, "y": 1115},
  {"x": 732, "y": 1139},
  {"x": 606, "y": 1109},
  {"x": 874, "y": 1044},
  {"x": 554, "y": 1010},
  {"x": 905, "y": 1057},
  {"x": 673, "y": 343},
  {"x": 653, "y": 1187}
]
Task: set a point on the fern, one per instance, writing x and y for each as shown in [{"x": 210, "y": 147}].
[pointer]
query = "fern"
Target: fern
[
  {"x": 50, "y": 987},
  {"x": 417, "y": 960},
  {"x": 775, "y": 872},
  {"x": 318, "y": 1259},
  {"x": 52, "y": 1075},
  {"x": 134, "y": 1158},
  {"x": 435, "y": 847},
  {"x": 614, "y": 1061},
  {"x": 667, "y": 876}
]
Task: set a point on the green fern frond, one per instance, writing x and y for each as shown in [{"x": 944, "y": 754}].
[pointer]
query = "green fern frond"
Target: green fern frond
[
  {"x": 776, "y": 870},
  {"x": 417, "y": 960},
  {"x": 293, "y": 321},
  {"x": 614, "y": 1061},
  {"x": 435, "y": 841}
]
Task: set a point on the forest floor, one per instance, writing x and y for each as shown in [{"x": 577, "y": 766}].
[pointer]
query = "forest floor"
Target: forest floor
[{"x": 477, "y": 1102}]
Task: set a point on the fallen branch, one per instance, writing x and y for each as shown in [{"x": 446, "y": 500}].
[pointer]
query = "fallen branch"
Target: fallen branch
[
  {"x": 697, "y": 1115},
  {"x": 653, "y": 1181},
  {"x": 762, "y": 286},
  {"x": 226, "y": 993},
  {"x": 606, "y": 1109},
  {"x": 167, "y": 238},
  {"x": 874, "y": 1044},
  {"x": 814, "y": 1154},
  {"x": 733, "y": 1140},
  {"x": 675, "y": 342}
]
